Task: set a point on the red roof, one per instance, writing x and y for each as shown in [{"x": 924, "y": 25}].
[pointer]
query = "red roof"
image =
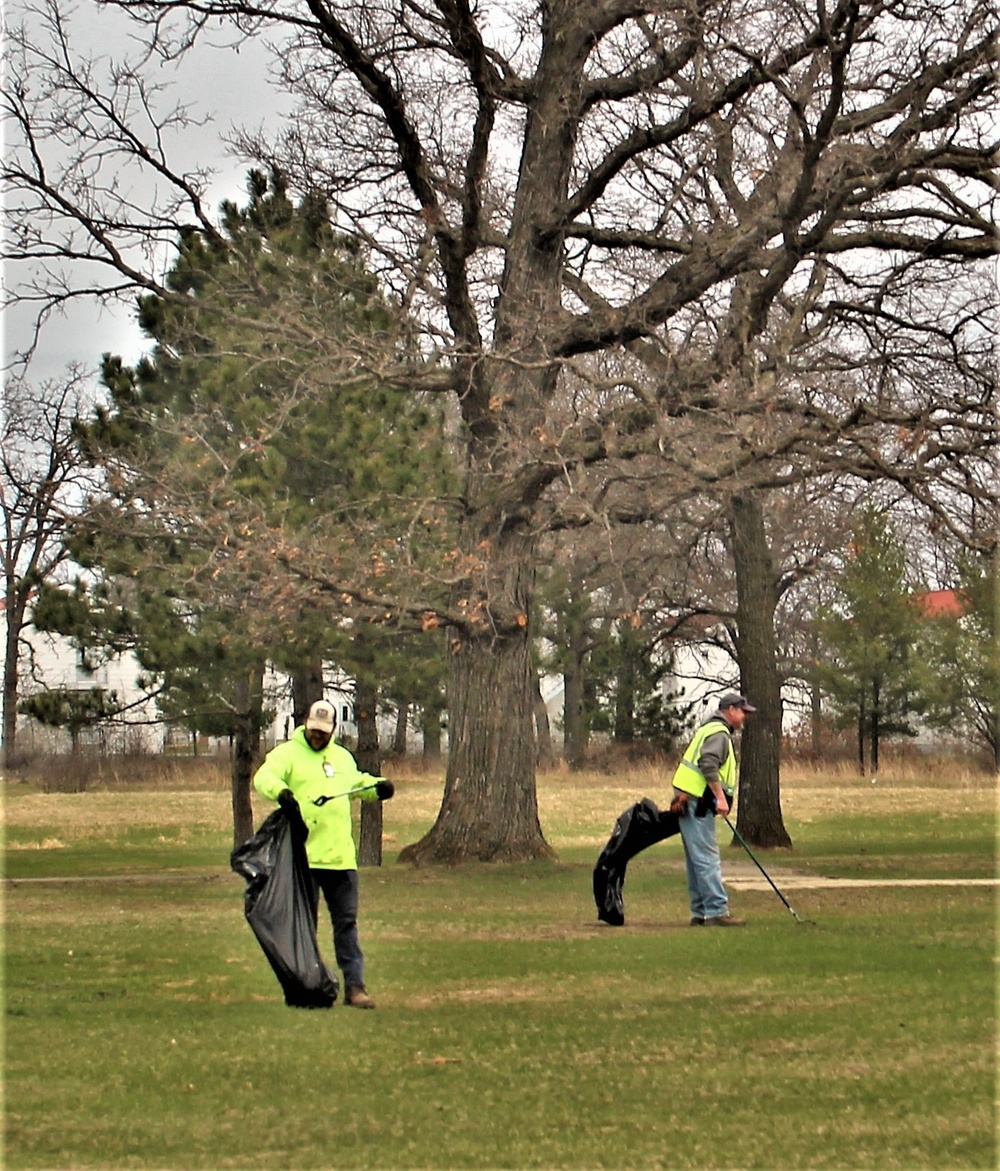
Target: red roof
[{"x": 942, "y": 604}]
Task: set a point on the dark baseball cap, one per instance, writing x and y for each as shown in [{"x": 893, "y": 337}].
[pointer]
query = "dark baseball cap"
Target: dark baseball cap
[{"x": 731, "y": 699}]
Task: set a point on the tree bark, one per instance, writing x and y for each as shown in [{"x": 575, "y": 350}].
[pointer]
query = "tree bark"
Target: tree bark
[
  {"x": 399, "y": 735},
  {"x": 543, "y": 732},
  {"x": 625, "y": 684},
  {"x": 12, "y": 633},
  {"x": 248, "y": 702},
  {"x": 861, "y": 735},
  {"x": 816, "y": 706},
  {"x": 759, "y": 817},
  {"x": 430, "y": 729},
  {"x": 368, "y": 758},
  {"x": 307, "y": 688},
  {"x": 574, "y": 705},
  {"x": 876, "y": 727}
]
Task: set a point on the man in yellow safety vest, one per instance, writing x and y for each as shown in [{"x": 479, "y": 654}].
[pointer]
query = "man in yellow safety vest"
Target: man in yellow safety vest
[{"x": 704, "y": 783}]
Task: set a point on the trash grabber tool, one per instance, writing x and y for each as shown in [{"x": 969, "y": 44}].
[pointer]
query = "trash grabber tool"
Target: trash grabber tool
[
  {"x": 739, "y": 838},
  {"x": 346, "y": 793}
]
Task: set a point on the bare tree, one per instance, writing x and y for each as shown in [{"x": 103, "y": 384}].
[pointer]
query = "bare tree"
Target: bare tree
[
  {"x": 42, "y": 483},
  {"x": 544, "y": 183}
]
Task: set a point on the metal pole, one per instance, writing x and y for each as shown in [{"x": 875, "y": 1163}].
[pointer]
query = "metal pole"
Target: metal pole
[
  {"x": 346, "y": 793},
  {"x": 739, "y": 838}
]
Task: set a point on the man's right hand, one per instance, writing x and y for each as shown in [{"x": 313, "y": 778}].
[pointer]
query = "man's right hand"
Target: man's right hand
[{"x": 286, "y": 799}]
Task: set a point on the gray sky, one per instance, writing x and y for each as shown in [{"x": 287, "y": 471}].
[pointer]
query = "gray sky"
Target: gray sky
[{"x": 229, "y": 86}]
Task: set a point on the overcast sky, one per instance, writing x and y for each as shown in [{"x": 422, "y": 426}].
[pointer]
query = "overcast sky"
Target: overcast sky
[{"x": 229, "y": 86}]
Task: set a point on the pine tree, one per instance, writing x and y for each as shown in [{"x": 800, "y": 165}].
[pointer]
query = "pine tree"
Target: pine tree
[
  {"x": 869, "y": 634},
  {"x": 233, "y": 449},
  {"x": 961, "y": 652}
]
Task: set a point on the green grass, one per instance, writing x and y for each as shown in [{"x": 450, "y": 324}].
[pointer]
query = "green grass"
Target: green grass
[{"x": 145, "y": 1030}]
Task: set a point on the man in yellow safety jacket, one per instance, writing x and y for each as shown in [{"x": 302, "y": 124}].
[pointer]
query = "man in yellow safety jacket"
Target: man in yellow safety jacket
[
  {"x": 312, "y": 776},
  {"x": 704, "y": 783}
]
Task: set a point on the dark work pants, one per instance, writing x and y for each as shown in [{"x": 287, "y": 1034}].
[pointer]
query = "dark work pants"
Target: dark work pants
[{"x": 340, "y": 892}]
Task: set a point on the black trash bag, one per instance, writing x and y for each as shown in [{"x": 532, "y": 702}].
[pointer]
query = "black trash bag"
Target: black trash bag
[
  {"x": 280, "y": 903},
  {"x": 637, "y": 828}
]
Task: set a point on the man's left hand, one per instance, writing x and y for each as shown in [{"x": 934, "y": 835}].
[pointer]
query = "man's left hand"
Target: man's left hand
[{"x": 384, "y": 790}]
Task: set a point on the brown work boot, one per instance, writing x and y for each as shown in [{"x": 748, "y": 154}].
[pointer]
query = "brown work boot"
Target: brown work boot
[
  {"x": 357, "y": 997},
  {"x": 725, "y": 921},
  {"x": 696, "y": 921}
]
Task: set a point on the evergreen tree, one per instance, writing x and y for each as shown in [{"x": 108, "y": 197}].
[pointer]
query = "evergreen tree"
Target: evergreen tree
[
  {"x": 870, "y": 632},
  {"x": 278, "y": 437},
  {"x": 961, "y": 653}
]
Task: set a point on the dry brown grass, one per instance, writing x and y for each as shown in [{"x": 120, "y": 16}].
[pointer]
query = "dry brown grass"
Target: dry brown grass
[{"x": 576, "y": 809}]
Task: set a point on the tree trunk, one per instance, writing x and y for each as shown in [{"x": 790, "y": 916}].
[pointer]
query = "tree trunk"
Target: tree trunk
[
  {"x": 759, "y": 817},
  {"x": 368, "y": 758},
  {"x": 399, "y": 735},
  {"x": 248, "y": 700},
  {"x": 430, "y": 729},
  {"x": 544, "y": 756},
  {"x": 876, "y": 728},
  {"x": 861, "y": 735},
  {"x": 575, "y": 735},
  {"x": 816, "y": 706},
  {"x": 489, "y": 811},
  {"x": 625, "y": 681},
  {"x": 995, "y": 628},
  {"x": 307, "y": 688},
  {"x": 14, "y": 621}
]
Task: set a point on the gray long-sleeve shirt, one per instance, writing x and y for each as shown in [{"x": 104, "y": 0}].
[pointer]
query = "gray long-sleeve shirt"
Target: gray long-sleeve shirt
[{"x": 714, "y": 751}]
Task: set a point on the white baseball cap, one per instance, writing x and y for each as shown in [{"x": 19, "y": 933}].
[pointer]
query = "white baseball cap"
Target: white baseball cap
[{"x": 321, "y": 716}]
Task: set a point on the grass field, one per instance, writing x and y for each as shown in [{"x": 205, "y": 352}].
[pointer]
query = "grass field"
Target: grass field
[{"x": 144, "y": 1028}]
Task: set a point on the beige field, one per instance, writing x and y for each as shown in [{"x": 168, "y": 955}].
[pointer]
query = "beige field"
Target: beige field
[{"x": 576, "y": 809}]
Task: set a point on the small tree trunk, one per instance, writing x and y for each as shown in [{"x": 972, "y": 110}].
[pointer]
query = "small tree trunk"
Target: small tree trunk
[
  {"x": 574, "y": 720},
  {"x": 307, "y": 688},
  {"x": 12, "y": 646},
  {"x": 862, "y": 731},
  {"x": 875, "y": 727},
  {"x": 399, "y": 733},
  {"x": 248, "y": 702},
  {"x": 430, "y": 729},
  {"x": 368, "y": 758},
  {"x": 816, "y": 706},
  {"x": 759, "y": 817},
  {"x": 625, "y": 682},
  {"x": 544, "y": 755},
  {"x": 575, "y": 734}
]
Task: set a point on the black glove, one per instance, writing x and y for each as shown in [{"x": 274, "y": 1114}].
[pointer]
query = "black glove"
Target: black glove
[
  {"x": 384, "y": 790},
  {"x": 286, "y": 799},
  {"x": 706, "y": 804}
]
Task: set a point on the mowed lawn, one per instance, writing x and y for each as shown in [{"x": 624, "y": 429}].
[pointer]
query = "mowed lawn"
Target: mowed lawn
[{"x": 144, "y": 1028}]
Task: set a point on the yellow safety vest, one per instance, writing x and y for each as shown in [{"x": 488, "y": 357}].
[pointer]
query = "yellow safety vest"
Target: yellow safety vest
[{"x": 689, "y": 778}]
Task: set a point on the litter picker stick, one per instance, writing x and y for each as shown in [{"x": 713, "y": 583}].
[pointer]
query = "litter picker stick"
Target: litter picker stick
[
  {"x": 739, "y": 838},
  {"x": 346, "y": 793}
]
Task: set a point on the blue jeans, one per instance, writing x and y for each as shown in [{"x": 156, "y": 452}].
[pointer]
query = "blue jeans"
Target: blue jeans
[
  {"x": 704, "y": 865},
  {"x": 340, "y": 892}
]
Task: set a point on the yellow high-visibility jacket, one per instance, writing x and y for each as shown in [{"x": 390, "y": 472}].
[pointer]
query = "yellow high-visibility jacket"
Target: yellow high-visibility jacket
[{"x": 310, "y": 774}]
